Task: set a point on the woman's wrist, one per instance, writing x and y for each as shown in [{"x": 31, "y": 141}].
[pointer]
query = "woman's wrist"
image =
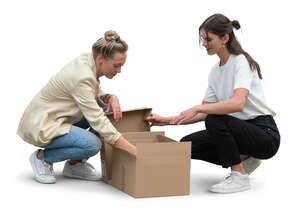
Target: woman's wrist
[
  {"x": 122, "y": 143},
  {"x": 199, "y": 108},
  {"x": 111, "y": 96},
  {"x": 105, "y": 98}
]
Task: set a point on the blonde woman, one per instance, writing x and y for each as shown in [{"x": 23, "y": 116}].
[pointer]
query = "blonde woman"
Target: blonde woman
[{"x": 58, "y": 116}]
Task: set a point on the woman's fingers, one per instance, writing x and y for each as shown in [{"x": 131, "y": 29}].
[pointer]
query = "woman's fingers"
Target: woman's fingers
[
  {"x": 108, "y": 108},
  {"x": 117, "y": 114},
  {"x": 150, "y": 118},
  {"x": 154, "y": 119}
]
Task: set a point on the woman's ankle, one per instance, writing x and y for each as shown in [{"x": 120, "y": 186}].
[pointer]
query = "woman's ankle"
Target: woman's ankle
[
  {"x": 244, "y": 157},
  {"x": 239, "y": 168},
  {"x": 73, "y": 162},
  {"x": 40, "y": 154}
]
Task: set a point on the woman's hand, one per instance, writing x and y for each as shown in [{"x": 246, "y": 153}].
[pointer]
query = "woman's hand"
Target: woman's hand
[
  {"x": 122, "y": 143},
  {"x": 157, "y": 120},
  {"x": 114, "y": 104},
  {"x": 185, "y": 116}
]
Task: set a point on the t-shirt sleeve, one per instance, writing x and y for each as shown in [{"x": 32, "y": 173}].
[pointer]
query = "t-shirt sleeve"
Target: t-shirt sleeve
[
  {"x": 243, "y": 75},
  {"x": 210, "y": 95}
]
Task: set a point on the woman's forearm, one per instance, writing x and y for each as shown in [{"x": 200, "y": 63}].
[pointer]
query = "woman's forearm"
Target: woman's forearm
[
  {"x": 198, "y": 118},
  {"x": 232, "y": 105},
  {"x": 223, "y": 107}
]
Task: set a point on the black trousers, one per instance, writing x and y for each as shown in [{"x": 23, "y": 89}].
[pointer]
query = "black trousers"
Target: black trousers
[{"x": 227, "y": 137}]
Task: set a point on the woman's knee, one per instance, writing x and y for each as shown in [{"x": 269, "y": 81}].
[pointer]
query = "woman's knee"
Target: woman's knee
[
  {"x": 197, "y": 137},
  {"x": 185, "y": 139},
  {"x": 92, "y": 145},
  {"x": 211, "y": 120}
]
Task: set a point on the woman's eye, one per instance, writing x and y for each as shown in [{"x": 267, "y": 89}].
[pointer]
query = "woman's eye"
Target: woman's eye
[{"x": 117, "y": 65}]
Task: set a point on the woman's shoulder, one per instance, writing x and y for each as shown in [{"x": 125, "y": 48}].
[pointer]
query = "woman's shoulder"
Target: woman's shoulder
[
  {"x": 239, "y": 59},
  {"x": 84, "y": 58},
  {"x": 78, "y": 70}
]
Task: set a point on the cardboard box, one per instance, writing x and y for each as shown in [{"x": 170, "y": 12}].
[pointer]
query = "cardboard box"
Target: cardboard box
[{"x": 161, "y": 167}]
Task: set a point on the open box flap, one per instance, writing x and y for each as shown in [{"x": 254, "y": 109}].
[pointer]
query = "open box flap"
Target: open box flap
[{"x": 133, "y": 120}]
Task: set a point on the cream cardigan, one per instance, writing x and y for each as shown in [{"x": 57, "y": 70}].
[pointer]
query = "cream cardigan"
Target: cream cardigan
[{"x": 71, "y": 94}]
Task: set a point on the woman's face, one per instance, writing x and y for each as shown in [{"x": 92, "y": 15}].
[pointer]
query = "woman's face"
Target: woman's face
[
  {"x": 111, "y": 66},
  {"x": 212, "y": 42}
]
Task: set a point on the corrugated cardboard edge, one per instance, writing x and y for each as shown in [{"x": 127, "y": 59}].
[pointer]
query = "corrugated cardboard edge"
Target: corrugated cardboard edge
[
  {"x": 128, "y": 110},
  {"x": 133, "y": 120}
]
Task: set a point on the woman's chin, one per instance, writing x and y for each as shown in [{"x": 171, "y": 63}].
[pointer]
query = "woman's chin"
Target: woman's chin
[
  {"x": 210, "y": 52},
  {"x": 109, "y": 76}
]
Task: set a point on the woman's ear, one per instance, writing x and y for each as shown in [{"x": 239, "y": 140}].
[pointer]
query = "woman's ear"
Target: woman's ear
[
  {"x": 225, "y": 38},
  {"x": 99, "y": 59}
]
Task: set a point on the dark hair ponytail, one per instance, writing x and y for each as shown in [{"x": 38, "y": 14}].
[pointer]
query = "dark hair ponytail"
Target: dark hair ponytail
[{"x": 220, "y": 25}]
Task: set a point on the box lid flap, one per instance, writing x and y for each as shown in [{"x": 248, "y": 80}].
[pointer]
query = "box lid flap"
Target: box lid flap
[{"x": 133, "y": 120}]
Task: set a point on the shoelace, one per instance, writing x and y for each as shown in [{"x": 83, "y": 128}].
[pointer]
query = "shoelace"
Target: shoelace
[
  {"x": 84, "y": 162},
  {"x": 227, "y": 179},
  {"x": 48, "y": 169},
  {"x": 86, "y": 168},
  {"x": 226, "y": 176}
]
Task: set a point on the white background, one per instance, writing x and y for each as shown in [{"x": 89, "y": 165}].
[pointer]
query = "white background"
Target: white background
[{"x": 165, "y": 70}]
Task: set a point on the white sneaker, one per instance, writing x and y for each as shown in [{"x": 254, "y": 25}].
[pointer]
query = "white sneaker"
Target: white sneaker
[
  {"x": 43, "y": 172},
  {"x": 81, "y": 170},
  {"x": 250, "y": 164},
  {"x": 235, "y": 182}
]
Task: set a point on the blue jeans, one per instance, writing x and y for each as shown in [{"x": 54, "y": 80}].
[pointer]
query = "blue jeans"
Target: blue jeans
[{"x": 78, "y": 144}]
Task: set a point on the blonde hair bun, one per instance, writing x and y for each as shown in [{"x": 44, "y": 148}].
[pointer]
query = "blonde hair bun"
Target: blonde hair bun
[
  {"x": 109, "y": 45},
  {"x": 110, "y": 35}
]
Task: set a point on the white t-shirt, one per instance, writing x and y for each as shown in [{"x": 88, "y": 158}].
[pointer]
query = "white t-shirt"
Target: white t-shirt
[{"x": 236, "y": 73}]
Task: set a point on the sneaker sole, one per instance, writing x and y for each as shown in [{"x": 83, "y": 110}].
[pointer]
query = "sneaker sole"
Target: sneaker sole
[
  {"x": 44, "y": 181},
  {"x": 80, "y": 177},
  {"x": 232, "y": 191}
]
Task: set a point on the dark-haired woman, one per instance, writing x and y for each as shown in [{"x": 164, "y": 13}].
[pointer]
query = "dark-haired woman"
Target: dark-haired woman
[{"x": 240, "y": 129}]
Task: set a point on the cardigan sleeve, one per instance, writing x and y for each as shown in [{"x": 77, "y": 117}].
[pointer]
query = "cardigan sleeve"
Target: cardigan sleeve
[
  {"x": 84, "y": 95},
  {"x": 100, "y": 95}
]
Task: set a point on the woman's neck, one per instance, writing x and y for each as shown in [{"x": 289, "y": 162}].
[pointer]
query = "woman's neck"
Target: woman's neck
[
  {"x": 224, "y": 55},
  {"x": 98, "y": 72}
]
